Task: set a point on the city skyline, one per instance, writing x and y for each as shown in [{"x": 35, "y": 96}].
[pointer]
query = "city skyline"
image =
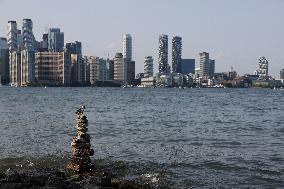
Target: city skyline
[{"x": 251, "y": 31}]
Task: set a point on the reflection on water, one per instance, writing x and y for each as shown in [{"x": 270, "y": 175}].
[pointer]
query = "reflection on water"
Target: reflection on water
[{"x": 169, "y": 137}]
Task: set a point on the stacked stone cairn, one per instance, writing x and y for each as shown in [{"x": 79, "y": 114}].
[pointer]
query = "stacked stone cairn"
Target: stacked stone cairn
[{"x": 81, "y": 146}]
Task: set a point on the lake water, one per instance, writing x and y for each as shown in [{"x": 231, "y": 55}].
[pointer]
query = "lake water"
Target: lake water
[{"x": 169, "y": 138}]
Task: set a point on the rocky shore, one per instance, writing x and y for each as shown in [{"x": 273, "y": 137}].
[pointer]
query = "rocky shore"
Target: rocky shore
[{"x": 46, "y": 178}]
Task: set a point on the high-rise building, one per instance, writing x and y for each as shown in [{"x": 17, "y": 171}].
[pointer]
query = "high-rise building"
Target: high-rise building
[
  {"x": 127, "y": 46},
  {"x": 164, "y": 67},
  {"x": 27, "y": 66},
  {"x": 93, "y": 62},
  {"x": 282, "y": 74},
  {"x": 262, "y": 68},
  {"x": 4, "y": 61},
  {"x": 52, "y": 68},
  {"x": 74, "y": 48},
  {"x": 130, "y": 72},
  {"x": 76, "y": 68},
  {"x": 15, "y": 68},
  {"x": 187, "y": 66},
  {"x": 110, "y": 69},
  {"x": 20, "y": 43},
  {"x": 27, "y": 33},
  {"x": 212, "y": 67},
  {"x": 176, "y": 54},
  {"x": 207, "y": 66},
  {"x": 148, "y": 66},
  {"x": 55, "y": 40},
  {"x": 120, "y": 67},
  {"x": 44, "y": 42},
  {"x": 77, "y": 65},
  {"x": 12, "y": 32}
]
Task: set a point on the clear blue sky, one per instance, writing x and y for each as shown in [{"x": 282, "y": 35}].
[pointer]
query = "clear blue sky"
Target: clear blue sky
[{"x": 234, "y": 32}]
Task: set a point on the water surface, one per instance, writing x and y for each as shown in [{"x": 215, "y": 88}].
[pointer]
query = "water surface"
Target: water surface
[{"x": 200, "y": 138}]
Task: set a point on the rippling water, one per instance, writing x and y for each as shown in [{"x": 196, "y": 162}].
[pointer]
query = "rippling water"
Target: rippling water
[{"x": 200, "y": 138}]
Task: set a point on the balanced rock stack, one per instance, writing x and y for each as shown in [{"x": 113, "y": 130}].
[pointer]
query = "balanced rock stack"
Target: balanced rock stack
[{"x": 81, "y": 146}]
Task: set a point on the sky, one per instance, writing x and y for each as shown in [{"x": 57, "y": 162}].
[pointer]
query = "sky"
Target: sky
[{"x": 235, "y": 32}]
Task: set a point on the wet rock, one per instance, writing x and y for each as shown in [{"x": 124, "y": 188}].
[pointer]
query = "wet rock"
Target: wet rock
[{"x": 11, "y": 175}]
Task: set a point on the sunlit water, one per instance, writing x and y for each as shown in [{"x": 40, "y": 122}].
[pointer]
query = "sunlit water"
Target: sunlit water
[{"x": 200, "y": 138}]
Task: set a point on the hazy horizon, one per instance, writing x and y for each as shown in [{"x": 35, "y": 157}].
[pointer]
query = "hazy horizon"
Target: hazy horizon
[{"x": 235, "y": 34}]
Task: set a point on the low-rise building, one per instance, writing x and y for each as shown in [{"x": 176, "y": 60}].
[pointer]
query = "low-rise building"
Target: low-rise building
[{"x": 148, "y": 82}]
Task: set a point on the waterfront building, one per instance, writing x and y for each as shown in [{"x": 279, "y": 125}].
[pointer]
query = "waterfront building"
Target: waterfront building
[
  {"x": 102, "y": 69},
  {"x": 148, "y": 81},
  {"x": 110, "y": 68},
  {"x": 20, "y": 43},
  {"x": 207, "y": 66},
  {"x": 130, "y": 72},
  {"x": 164, "y": 80},
  {"x": 27, "y": 34},
  {"x": 43, "y": 45},
  {"x": 164, "y": 67},
  {"x": 120, "y": 67},
  {"x": 93, "y": 62},
  {"x": 27, "y": 66},
  {"x": 4, "y": 61},
  {"x": 15, "y": 68},
  {"x": 55, "y": 40},
  {"x": 74, "y": 49},
  {"x": 177, "y": 80},
  {"x": 76, "y": 68},
  {"x": 148, "y": 66},
  {"x": 12, "y": 32},
  {"x": 212, "y": 67},
  {"x": 127, "y": 47},
  {"x": 187, "y": 66},
  {"x": 176, "y": 54},
  {"x": 262, "y": 68},
  {"x": 282, "y": 74},
  {"x": 52, "y": 68},
  {"x": 86, "y": 70}
]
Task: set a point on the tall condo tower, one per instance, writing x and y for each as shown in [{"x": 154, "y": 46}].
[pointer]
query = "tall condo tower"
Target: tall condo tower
[
  {"x": 12, "y": 35},
  {"x": 263, "y": 68},
  {"x": 163, "y": 55},
  {"x": 207, "y": 66},
  {"x": 148, "y": 66},
  {"x": 127, "y": 47},
  {"x": 176, "y": 54},
  {"x": 27, "y": 32},
  {"x": 55, "y": 40}
]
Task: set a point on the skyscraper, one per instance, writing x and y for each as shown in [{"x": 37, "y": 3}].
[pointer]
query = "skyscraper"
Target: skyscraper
[
  {"x": 148, "y": 66},
  {"x": 176, "y": 54},
  {"x": 187, "y": 66},
  {"x": 55, "y": 40},
  {"x": 4, "y": 61},
  {"x": 27, "y": 66},
  {"x": 207, "y": 66},
  {"x": 262, "y": 68},
  {"x": 27, "y": 33},
  {"x": 120, "y": 67},
  {"x": 282, "y": 74},
  {"x": 74, "y": 49},
  {"x": 44, "y": 43},
  {"x": 163, "y": 55},
  {"x": 12, "y": 32},
  {"x": 127, "y": 47}
]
